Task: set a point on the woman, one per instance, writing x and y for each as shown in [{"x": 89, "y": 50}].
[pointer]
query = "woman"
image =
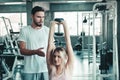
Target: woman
[{"x": 59, "y": 60}]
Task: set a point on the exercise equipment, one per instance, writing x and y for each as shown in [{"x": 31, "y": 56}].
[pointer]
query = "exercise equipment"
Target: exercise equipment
[
  {"x": 10, "y": 38},
  {"x": 9, "y": 51},
  {"x": 8, "y": 64},
  {"x": 78, "y": 45},
  {"x": 59, "y": 33},
  {"x": 106, "y": 9},
  {"x": 59, "y": 40}
]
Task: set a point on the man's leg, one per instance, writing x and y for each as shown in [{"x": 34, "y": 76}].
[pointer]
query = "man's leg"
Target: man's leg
[
  {"x": 45, "y": 76},
  {"x": 28, "y": 76},
  {"x": 39, "y": 76},
  {"x": 42, "y": 76}
]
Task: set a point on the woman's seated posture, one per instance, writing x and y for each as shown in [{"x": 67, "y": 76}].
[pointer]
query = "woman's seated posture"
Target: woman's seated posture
[{"x": 59, "y": 60}]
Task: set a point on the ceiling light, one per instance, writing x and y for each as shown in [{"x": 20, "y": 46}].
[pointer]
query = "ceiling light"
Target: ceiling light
[
  {"x": 14, "y": 3},
  {"x": 75, "y": 1}
]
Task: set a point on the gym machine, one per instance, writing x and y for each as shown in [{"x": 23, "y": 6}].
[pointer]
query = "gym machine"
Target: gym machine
[
  {"x": 10, "y": 58},
  {"x": 106, "y": 10},
  {"x": 10, "y": 38}
]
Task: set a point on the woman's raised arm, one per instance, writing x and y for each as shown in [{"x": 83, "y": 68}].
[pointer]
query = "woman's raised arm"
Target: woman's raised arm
[
  {"x": 51, "y": 45},
  {"x": 69, "y": 48}
]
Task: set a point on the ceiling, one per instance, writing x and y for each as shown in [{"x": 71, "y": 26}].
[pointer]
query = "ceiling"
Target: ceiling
[{"x": 6, "y": 2}]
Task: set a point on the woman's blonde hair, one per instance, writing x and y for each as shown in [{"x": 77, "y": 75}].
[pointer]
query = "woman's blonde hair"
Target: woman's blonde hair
[{"x": 59, "y": 50}]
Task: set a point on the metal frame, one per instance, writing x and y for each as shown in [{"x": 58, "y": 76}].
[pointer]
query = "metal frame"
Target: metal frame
[
  {"x": 10, "y": 49},
  {"x": 115, "y": 74}
]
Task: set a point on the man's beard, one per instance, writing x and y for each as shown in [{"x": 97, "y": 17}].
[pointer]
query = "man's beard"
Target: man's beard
[{"x": 38, "y": 24}]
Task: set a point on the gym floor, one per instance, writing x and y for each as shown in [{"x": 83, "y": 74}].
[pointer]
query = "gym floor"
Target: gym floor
[{"x": 83, "y": 67}]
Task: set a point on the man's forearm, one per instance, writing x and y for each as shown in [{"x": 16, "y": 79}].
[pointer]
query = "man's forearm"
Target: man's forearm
[{"x": 27, "y": 52}]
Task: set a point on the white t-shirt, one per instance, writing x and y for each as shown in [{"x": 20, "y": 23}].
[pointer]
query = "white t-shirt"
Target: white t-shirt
[{"x": 34, "y": 39}]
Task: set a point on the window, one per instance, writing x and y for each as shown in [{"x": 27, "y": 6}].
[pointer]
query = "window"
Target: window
[
  {"x": 76, "y": 24},
  {"x": 16, "y": 20}
]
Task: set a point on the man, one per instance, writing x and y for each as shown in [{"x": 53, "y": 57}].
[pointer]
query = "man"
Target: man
[{"x": 33, "y": 41}]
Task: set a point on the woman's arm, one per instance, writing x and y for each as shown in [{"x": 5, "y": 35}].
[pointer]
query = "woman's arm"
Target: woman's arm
[
  {"x": 51, "y": 45},
  {"x": 69, "y": 48}
]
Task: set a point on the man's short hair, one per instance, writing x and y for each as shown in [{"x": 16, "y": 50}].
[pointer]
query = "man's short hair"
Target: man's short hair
[{"x": 36, "y": 9}]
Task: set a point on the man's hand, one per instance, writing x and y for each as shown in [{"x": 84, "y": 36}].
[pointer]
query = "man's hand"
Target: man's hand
[{"x": 40, "y": 52}]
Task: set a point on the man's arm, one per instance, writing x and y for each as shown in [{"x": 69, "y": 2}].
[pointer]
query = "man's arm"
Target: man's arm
[{"x": 24, "y": 51}]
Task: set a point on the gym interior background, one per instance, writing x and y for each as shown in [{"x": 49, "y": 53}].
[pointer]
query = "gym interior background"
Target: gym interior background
[{"x": 94, "y": 29}]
